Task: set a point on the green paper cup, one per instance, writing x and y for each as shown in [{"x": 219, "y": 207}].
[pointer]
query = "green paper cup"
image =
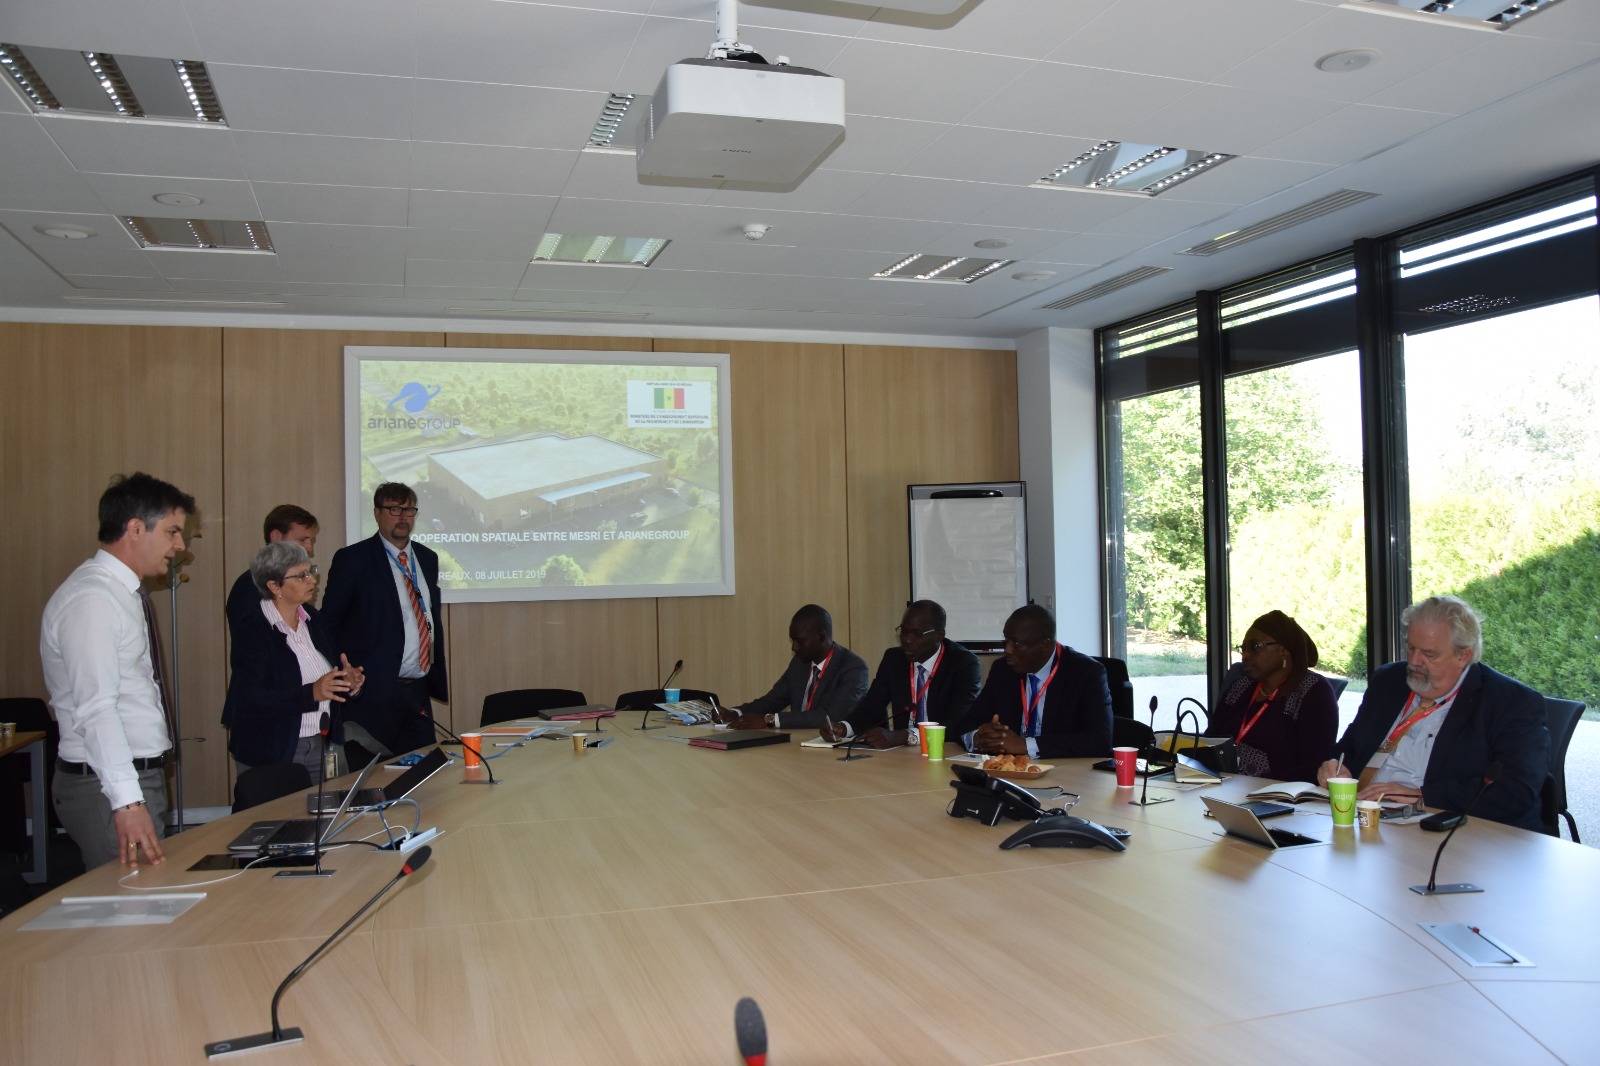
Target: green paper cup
[
  {"x": 1342, "y": 798},
  {"x": 934, "y": 732}
]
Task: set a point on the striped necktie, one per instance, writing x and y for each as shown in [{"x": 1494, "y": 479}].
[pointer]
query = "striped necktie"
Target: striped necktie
[{"x": 424, "y": 631}]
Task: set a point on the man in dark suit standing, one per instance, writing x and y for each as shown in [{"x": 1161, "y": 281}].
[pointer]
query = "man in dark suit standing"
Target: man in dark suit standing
[
  {"x": 383, "y": 606},
  {"x": 925, "y": 679},
  {"x": 284, "y": 522},
  {"x": 1429, "y": 728},
  {"x": 1043, "y": 699},
  {"x": 824, "y": 680}
]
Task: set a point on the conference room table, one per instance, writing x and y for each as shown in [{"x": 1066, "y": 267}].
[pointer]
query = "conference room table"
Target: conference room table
[{"x": 611, "y": 906}]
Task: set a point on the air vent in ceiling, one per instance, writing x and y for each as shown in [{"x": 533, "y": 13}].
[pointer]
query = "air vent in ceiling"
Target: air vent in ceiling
[
  {"x": 1094, "y": 292},
  {"x": 99, "y": 84},
  {"x": 1468, "y": 14},
  {"x": 1277, "y": 223}
]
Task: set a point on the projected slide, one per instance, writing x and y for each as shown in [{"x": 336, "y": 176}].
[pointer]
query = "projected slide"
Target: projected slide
[{"x": 549, "y": 474}]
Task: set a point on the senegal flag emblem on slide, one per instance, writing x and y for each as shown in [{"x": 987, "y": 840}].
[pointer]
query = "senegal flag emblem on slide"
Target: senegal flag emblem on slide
[{"x": 669, "y": 399}]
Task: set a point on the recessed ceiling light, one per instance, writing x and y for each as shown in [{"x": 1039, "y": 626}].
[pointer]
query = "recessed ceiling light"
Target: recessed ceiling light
[
  {"x": 1033, "y": 275},
  {"x": 1469, "y": 14},
  {"x": 200, "y": 234},
  {"x": 99, "y": 84},
  {"x": 178, "y": 199},
  {"x": 1124, "y": 167},
  {"x": 948, "y": 269},
  {"x": 992, "y": 242},
  {"x": 1348, "y": 61},
  {"x": 64, "y": 233},
  {"x": 598, "y": 249}
]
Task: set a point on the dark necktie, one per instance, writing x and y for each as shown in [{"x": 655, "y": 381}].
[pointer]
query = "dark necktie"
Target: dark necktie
[{"x": 153, "y": 635}]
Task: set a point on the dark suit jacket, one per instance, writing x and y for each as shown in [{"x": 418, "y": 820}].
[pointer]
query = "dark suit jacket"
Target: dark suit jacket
[
  {"x": 244, "y": 601},
  {"x": 1493, "y": 718},
  {"x": 1077, "y": 707},
  {"x": 362, "y": 608},
  {"x": 888, "y": 702},
  {"x": 265, "y": 694},
  {"x": 841, "y": 688}
]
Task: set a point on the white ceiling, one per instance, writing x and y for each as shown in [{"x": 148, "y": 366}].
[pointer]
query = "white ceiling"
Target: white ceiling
[{"x": 407, "y": 154}]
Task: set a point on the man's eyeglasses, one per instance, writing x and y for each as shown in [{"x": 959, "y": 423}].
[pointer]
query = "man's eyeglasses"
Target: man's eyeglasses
[
  {"x": 310, "y": 571},
  {"x": 904, "y": 632},
  {"x": 402, "y": 512},
  {"x": 1256, "y": 645}
]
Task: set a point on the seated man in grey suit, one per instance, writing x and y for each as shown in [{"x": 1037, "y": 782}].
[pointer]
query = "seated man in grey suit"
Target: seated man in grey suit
[{"x": 824, "y": 680}]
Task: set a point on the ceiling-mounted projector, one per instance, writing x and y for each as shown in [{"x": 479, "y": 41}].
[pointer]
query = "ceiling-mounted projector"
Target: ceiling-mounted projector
[{"x": 730, "y": 120}]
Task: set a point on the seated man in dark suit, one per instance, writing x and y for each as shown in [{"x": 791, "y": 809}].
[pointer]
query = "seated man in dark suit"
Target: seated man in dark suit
[
  {"x": 925, "y": 679},
  {"x": 1042, "y": 699},
  {"x": 824, "y": 680},
  {"x": 1430, "y": 727}
]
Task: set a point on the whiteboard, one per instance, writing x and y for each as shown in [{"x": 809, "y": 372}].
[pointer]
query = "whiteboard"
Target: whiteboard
[{"x": 969, "y": 553}]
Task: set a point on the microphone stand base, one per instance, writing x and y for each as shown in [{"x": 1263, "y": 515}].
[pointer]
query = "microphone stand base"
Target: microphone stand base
[
  {"x": 223, "y": 1048},
  {"x": 316, "y": 872},
  {"x": 480, "y": 780},
  {"x": 1445, "y": 890},
  {"x": 853, "y": 758},
  {"x": 1151, "y": 801}
]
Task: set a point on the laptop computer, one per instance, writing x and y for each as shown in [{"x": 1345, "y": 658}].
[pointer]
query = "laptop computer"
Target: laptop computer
[
  {"x": 1241, "y": 822},
  {"x": 279, "y": 836},
  {"x": 358, "y": 799}
]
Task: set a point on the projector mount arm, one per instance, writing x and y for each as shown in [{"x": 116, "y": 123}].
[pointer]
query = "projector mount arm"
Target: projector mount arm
[{"x": 728, "y": 45}]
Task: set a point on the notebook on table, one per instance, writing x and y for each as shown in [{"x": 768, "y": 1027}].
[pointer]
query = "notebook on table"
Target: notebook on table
[
  {"x": 278, "y": 836},
  {"x": 730, "y": 739},
  {"x": 358, "y": 799},
  {"x": 1241, "y": 822}
]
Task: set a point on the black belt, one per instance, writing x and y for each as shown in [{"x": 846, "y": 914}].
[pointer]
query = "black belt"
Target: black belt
[{"x": 154, "y": 762}]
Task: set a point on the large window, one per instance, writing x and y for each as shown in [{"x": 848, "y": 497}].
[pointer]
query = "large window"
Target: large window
[{"x": 1455, "y": 448}]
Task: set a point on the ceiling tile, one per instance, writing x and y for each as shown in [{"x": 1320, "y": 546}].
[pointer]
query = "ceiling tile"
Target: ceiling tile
[
  {"x": 932, "y": 84},
  {"x": 823, "y": 190},
  {"x": 859, "y": 233},
  {"x": 133, "y": 194},
  {"x": 1214, "y": 118},
  {"x": 1072, "y": 210},
  {"x": 1049, "y": 99},
  {"x": 456, "y": 273},
  {"x": 630, "y": 218},
  {"x": 1093, "y": 249},
  {"x": 1244, "y": 180},
  {"x": 450, "y": 294},
  {"x": 1351, "y": 133},
  {"x": 1008, "y": 157},
  {"x": 296, "y": 242},
  {"x": 479, "y": 210},
  {"x": 524, "y": 44},
  {"x": 360, "y": 36},
  {"x": 928, "y": 198},
  {"x": 108, "y": 284},
  {"x": 461, "y": 113},
  {"x": 227, "y": 266},
  {"x": 135, "y": 27},
  {"x": 1498, "y": 67},
  {"x": 490, "y": 168},
  {"x": 483, "y": 244},
  {"x": 1024, "y": 242},
  {"x": 309, "y": 101},
  {"x": 881, "y": 145},
  {"x": 308, "y": 160},
  {"x": 1159, "y": 218},
  {"x": 352, "y": 290},
  {"x": 109, "y": 235},
  {"x": 552, "y": 278},
  {"x": 1026, "y": 28},
  {"x": 351, "y": 205},
  {"x": 113, "y": 147},
  {"x": 239, "y": 285},
  {"x": 1198, "y": 38},
  {"x": 342, "y": 270},
  {"x": 34, "y": 175},
  {"x": 664, "y": 41},
  {"x": 607, "y": 176}
]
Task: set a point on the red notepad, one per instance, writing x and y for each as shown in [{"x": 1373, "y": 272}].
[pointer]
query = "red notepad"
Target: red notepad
[{"x": 739, "y": 738}]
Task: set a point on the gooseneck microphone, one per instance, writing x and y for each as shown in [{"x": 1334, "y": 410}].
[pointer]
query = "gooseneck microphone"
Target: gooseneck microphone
[
  {"x": 1144, "y": 799},
  {"x": 293, "y": 1035},
  {"x": 675, "y": 668},
  {"x": 1432, "y": 888},
  {"x": 644, "y": 723},
  {"x": 322, "y": 801},
  {"x": 750, "y": 1030},
  {"x": 442, "y": 728}
]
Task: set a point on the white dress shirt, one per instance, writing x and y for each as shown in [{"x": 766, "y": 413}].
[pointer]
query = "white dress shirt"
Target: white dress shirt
[
  {"x": 97, "y": 669},
  {"x": 313, "y": 664}
]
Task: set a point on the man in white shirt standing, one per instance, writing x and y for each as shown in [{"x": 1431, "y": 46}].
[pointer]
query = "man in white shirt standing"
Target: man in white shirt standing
[{"x": 103, "y": 673}]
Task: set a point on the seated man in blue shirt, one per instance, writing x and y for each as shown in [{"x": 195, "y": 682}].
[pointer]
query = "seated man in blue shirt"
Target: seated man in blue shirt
[{"x": 1042, "y": 699}]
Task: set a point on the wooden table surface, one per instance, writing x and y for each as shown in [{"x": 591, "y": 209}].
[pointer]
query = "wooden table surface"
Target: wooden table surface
[{"x": 611, "y": 907}]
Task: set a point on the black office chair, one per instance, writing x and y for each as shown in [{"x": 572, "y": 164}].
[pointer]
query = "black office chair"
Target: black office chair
[
  {"x": 1131, "y": 733},
  {"x": 1236, "y": 671},
  {"x": 32, "y": 715},
  {"x": 260, "y": 784},
  {"x": 1120, "y": 684},
  {"x": 526, "y": 703},
  {"x": 1562, "y": 718},
  {"x": 647, "y": 698}
]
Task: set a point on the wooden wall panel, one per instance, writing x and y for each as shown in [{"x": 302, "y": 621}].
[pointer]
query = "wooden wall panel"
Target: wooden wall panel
[
  {"x": 602, "y": 648},
  {"x": 915, "y": 416},
  {"x": 87, "y": 402},
  {"x": 789, "y": 517}
]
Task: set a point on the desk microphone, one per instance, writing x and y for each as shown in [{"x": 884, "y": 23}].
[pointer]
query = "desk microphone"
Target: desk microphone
[
  {"x": 479, "y": 749},
  {"x": 322, "y": 801},
  {"x": 644, "y": 723},
  {"x": 294, "y": 1035},
  {"x": 1144, "y": 799},
  {"x": 675, "y": 668},
  {"x": 1432, "y": 888},
  {"x": 750, "y": 1030}
]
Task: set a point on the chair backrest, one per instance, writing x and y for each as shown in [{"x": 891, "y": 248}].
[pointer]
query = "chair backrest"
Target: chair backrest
[
  {"x": 259, "y": 784},
  {"x": 527, "y": 702},
  {"x": 1562, "y": 718},
  {"x": 1339, "y": 684},
  {"x": 1120, "y": 684},
  {"x": 1131, "y": 733},
  {"x": 646, "y": 698}
]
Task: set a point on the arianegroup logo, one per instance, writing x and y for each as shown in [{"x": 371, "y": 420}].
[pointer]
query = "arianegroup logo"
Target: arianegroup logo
[{"x": 414, "y": 397}]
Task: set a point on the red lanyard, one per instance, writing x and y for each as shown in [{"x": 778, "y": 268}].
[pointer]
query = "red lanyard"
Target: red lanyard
[
  {"x": 919, "y": 694},
  {"x": 816, "y": 682},
  {"x": 1411, "y": 718},
  {"x": 1265, "y": 703},
  {"x": 1028, "y": 705}
]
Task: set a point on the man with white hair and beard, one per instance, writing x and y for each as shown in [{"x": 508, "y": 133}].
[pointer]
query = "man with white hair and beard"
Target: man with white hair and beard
[{"x": 1429, "y": 728}]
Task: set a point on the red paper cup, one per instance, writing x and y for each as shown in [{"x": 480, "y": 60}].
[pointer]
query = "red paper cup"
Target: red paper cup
[{"x": 1127, "y": 760}]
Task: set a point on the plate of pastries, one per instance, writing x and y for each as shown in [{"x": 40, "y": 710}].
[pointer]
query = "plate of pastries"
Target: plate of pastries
[{"x": 1018, "y": 767}]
